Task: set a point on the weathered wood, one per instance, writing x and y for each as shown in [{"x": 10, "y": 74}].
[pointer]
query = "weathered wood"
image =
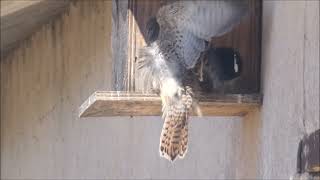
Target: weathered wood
[
  {"x": 20, "y": 18},
  {"x": 116, "y": 103},
  {"x": 120, "y": 44}
]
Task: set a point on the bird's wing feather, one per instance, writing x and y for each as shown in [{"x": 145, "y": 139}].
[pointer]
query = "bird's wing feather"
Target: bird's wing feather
[
  {"x": 207, "y": 18},
  {"x": 192, "y": 23}
]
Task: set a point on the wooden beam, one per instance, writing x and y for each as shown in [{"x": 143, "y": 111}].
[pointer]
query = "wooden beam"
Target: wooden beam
[
  {"x": 120, "y": 103},
  {"x": 119, "y": 42},
  {"x": 20, "y": 18}
]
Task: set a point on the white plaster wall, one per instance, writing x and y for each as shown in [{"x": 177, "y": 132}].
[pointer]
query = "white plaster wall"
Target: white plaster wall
[{"x": 290, "y": 82}]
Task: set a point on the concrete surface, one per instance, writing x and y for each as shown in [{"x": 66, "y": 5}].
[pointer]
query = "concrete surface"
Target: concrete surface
[{"x": 46, "y": 79}]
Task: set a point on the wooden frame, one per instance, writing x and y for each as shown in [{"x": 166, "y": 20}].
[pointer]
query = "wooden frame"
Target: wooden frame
[
  {"x": 129, "y": 20},
  {"x": 120, "y": 103},
  {"x": 133, "y": 16}
]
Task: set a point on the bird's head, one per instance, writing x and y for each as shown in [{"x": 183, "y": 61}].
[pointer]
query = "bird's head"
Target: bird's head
[
  {"x": 229, "y": 62},
  {"x": 223, "y": 64},
  {"x": 152, "y": 30}
]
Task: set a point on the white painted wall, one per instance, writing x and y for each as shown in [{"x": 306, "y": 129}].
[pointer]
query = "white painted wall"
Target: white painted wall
[
  {"x": 290, "y": 82},
  {"x": 46, "y": 79}
]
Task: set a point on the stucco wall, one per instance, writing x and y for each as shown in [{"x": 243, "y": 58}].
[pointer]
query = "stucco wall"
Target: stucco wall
[
  {"x": 290, "y": 82},
  {"x": 46, "y": 79}
]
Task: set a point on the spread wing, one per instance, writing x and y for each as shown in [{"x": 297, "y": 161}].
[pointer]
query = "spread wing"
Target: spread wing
[{"x": 187, "y": 25}]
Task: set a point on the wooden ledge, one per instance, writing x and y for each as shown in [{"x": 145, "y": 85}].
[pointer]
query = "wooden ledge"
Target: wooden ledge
[{"x": 119, "y": 103}]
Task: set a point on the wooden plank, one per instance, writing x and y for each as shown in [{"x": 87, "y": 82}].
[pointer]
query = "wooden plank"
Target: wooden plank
[
  {"x": 20, "y": 18},
  {"x": 117, "y": 103},
  {"x": 120, "y": 44}
]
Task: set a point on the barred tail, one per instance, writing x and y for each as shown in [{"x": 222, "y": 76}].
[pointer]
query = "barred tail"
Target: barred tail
[{"x": 174, "y": 135}]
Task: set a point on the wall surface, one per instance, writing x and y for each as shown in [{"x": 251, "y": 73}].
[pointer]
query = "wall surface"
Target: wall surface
[
  {"x": 48, "y": 77},
  {"x": 290, "y": 82}
]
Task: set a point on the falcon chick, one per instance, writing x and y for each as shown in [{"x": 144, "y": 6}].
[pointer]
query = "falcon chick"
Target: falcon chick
[{"x": 177, "y": 37}]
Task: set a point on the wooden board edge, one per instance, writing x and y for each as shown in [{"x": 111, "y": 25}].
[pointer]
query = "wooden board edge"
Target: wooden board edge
[
  {"x": 244, "y": 102},
  {"x": 85, "y": 106}
]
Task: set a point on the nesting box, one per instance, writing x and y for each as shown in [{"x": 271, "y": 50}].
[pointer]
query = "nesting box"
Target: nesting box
[{"x": 128, "y": 35}]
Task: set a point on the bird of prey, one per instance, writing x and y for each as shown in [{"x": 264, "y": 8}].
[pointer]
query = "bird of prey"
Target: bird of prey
[{"x": 179, "y": 35}]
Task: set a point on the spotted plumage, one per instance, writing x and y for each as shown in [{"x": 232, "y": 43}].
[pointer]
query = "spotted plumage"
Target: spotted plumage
[{"x": 176, "y": 38}]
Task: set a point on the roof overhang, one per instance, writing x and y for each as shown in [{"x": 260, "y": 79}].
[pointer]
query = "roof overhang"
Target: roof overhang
[{"x": 19, "y": 18}]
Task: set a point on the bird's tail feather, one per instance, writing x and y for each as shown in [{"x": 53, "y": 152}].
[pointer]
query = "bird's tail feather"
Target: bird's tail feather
[{"x": 174, "y": 135}]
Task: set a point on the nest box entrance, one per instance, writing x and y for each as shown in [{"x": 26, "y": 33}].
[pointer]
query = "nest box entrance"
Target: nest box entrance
[{"x": 129, "y": 33}]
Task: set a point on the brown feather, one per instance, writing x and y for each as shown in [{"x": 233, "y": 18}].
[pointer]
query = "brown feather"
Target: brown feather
[{"x": 174, "y": 135}]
